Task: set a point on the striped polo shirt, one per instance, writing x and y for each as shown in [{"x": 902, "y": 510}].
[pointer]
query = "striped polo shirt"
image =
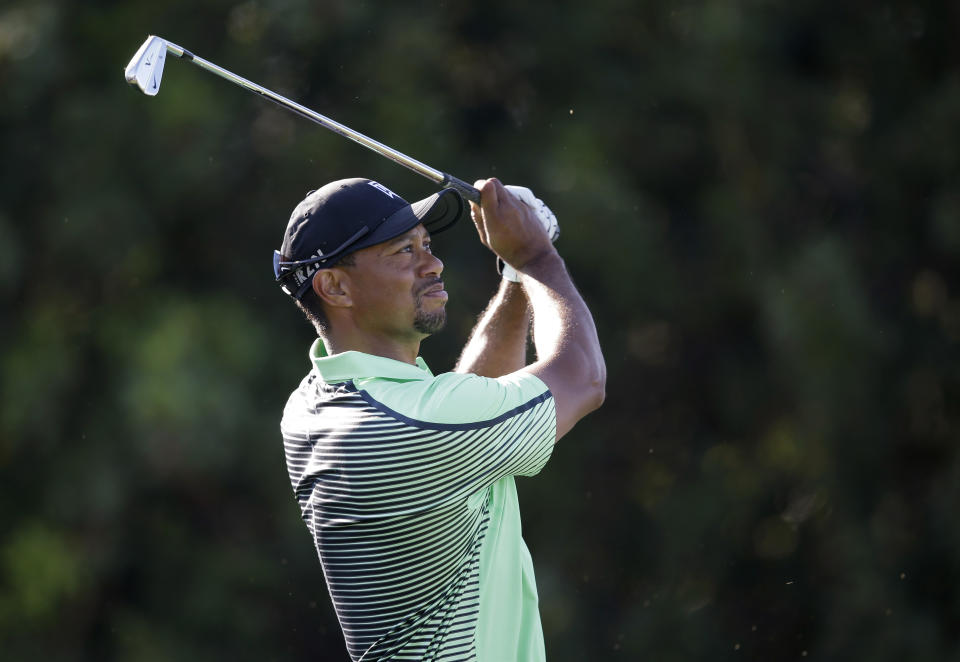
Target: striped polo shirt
[{"x": 405, "y": 481}]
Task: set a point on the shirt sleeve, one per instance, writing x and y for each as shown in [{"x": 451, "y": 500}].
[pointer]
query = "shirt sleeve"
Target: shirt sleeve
[{"x": 506, "y": 426}]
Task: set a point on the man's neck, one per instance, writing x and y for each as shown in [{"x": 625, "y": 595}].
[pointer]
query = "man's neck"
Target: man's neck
[{"x": 405, "y": 351}]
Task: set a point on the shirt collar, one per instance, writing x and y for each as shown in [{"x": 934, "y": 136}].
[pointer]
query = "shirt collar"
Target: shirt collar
[{"x": 346, "y": 366}]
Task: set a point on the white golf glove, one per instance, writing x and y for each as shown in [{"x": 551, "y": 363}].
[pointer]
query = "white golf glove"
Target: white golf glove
[{"x": 546, "y": 217}]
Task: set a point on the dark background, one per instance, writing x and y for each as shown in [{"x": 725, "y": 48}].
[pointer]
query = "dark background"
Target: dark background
[{"x": 760, "y": 201}]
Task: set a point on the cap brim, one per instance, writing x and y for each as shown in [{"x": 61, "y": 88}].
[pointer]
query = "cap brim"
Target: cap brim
[{"x": 437, "y": 212}]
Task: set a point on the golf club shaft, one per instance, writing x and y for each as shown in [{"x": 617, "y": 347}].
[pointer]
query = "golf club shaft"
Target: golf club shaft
[{"x": 443, "y": 179}]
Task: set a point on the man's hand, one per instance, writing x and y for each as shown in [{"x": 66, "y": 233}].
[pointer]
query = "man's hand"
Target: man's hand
[
  {"x": 546, "y": 217},
  {"x": 508, "y": 226}
]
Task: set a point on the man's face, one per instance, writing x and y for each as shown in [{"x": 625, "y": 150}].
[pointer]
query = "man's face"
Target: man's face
[{"x": 396, "y": 287}]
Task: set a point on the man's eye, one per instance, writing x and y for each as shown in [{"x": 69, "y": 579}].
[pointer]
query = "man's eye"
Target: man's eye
[{"x": 428, "y": 247}]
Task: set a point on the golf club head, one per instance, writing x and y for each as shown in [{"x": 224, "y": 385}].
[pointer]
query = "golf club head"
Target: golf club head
[{"x": 146, "y": 67}]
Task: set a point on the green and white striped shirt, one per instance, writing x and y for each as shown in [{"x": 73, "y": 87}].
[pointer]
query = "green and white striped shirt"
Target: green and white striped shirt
[{"x": 405, "y": 481}]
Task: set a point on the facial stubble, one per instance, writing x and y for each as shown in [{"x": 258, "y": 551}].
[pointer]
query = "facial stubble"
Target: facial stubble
[{"x": 428, "y": 323}]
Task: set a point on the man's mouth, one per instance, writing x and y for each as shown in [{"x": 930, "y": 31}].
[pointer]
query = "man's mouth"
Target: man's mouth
[{"x": 434, "y": 290}]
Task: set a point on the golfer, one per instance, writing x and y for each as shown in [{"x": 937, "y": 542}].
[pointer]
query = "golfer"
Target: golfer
[{"x": 405, "y": 478}]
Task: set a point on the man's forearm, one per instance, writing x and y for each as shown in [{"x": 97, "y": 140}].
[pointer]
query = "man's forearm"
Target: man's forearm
[
  {"x": 561, "y": 318},
  {"x": 498, "y": 343},
  {"x": 569, "y": 358}
]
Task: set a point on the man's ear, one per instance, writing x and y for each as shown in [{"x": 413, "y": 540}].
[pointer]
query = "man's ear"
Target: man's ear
[{"x": 333, "y": 287}]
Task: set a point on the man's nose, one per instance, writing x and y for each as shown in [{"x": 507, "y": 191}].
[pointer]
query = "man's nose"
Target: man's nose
[{"x": 431, "y": 265}]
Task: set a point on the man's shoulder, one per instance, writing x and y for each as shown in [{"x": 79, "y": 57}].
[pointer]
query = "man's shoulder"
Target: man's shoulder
[
  {"x": 313, "y": 393},
  {"x": 454, "y": 398}
]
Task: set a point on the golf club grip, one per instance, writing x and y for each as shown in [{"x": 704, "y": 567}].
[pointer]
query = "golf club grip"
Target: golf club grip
[{"x": 467, "y": 191}]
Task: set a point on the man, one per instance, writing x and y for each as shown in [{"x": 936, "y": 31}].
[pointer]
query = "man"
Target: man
[{"x": 405, "y": 479}]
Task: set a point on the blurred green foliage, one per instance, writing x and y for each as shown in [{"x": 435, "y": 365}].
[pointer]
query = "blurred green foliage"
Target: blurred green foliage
[{"x": 760, "y": 201}]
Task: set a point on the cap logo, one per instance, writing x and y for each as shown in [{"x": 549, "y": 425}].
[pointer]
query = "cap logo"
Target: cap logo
[
  {"x": 383, "y": 189},
  {"x": 304, "y": 274}
]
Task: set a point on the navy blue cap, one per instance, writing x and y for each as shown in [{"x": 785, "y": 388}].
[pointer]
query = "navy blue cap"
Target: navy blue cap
[{"x": 347, "y": 215}]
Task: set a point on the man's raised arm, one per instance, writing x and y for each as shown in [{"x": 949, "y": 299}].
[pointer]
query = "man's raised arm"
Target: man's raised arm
[
  {"x": 569, "y": 359},
  {"x": 498, "y": 343}
]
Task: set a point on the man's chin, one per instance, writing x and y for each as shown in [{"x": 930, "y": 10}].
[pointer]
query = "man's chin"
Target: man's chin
[{"x": 430, "y": 323}]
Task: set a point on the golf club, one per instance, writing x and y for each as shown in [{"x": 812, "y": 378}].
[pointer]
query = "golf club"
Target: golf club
[{"x": 146, "y": 69}]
